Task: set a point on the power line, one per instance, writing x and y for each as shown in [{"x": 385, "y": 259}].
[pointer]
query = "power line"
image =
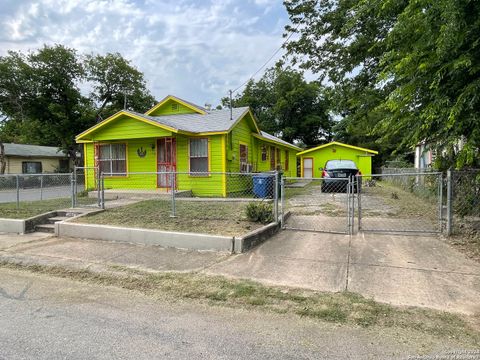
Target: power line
[{"x": 266, "y": 62}]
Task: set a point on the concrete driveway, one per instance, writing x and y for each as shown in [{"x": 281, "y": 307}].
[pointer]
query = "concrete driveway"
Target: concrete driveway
[{"x": 396, "y": 269}]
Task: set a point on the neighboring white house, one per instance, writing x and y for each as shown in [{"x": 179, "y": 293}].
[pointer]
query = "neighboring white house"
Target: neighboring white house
[
  {"x": 34, "y": 159},
  {"x": 425, "y": 154}
]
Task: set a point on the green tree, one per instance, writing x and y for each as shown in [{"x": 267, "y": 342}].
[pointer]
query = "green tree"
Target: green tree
[
  {"x": 288, "y": 106},
  {"x": 402, "y": 71},
  {"x": 40, "y": 98},
  {"x": 117, "y": 84}
]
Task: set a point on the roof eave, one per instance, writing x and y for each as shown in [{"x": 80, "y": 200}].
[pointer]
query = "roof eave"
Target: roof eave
[
  {"x": 291, "y": 146},
  {"x": 172, "y": 97}
]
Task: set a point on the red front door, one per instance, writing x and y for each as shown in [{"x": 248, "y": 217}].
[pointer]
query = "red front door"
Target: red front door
[{"x": 166, "y": 161}]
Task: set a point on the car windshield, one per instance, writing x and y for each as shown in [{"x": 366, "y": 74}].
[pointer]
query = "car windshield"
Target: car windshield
[{"x": 340, "y": 164}]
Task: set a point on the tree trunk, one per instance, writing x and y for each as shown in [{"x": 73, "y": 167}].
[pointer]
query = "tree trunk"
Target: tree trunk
[{"x": 3, "y": 160}]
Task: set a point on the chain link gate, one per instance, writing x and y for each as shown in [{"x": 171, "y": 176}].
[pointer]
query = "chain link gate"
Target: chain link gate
[
  {"x": 401, "y": 202},
  {"x": 318, "y": 204}
]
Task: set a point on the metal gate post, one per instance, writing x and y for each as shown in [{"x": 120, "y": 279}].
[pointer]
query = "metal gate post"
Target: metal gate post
[
  {"x": 72, "y": 189},
  {"x": 99, "y": 190},
  {"x": 352, "y": 195},
  {"x": 282, "y": 200},
  {"x": 348, "y": 208},
  {"x": 275, "y": 199},
  {"x": 41, "y": 187},
  {"x": 172, "y": 184},
  {"x": 449, "y": 202},
  {"x": 359, "y": 202},
  {"x": 18, "y": 191},
  {"x": 440, "y": 200},
  {"x": 102, "y": 194}
]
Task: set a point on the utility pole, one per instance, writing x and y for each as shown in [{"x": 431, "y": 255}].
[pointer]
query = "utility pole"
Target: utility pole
[{"x": 231, "y": 106}]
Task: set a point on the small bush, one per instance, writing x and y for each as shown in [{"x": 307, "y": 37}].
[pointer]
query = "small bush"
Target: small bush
[{"x": 259, "y": 212}]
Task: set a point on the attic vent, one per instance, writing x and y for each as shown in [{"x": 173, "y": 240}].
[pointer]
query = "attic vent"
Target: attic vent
[{"x": 174, "y": 107}]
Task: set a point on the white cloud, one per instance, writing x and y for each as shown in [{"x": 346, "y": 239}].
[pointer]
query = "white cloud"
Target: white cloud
[{"x": 196, "y": 50}]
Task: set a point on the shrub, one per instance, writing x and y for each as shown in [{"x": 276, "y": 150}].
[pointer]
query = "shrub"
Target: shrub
[{"x": 259, "y": 212}]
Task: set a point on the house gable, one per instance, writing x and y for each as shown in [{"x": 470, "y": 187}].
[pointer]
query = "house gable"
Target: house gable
[
  {"x": 338, "y": 144},
  {"x": 172, "y": 105},
  {"x": 124, "y": 126}
]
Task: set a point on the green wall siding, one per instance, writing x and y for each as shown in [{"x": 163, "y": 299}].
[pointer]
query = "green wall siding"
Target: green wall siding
[
  {"x": 137, "y": 134},
  {"x": 127, "y": 128},
  {"x": 211, "y": 185},
  {"x": 262, "y": 166},
  {"x": 335, "y": 152},
  {"x": 241, "y": 133},
  {"x": 166, "y": 109}
]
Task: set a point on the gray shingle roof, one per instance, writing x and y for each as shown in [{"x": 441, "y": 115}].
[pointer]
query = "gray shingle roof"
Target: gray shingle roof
[
  {"x": 274, "y": 138},
  {"x": 212, "y": 121},
  {"x": 32, "y": 151}
]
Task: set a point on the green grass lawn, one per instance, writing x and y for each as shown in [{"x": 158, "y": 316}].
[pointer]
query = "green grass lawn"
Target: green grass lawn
[
  {"x": 216, "y": 217},
  {"x": 27, "y": 209}
]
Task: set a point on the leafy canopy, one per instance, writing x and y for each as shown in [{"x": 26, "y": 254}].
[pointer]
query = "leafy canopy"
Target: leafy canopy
[
  {"x": 287, "y": 106},
  {"x": 399, "y": 71},
  {"x": 40, "y": 98}
]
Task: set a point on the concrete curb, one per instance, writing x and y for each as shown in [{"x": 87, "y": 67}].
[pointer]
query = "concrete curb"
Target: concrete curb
[
  {"x": 258, "y": 236},
  {"x": 12, "y": 226},
  {"x": 146, "y": 236},
  {"x": 22, "y": 226}
]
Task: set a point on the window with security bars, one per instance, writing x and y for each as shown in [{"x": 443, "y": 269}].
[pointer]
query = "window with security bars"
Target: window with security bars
[
  {"x": 112, "y": 159},
  {"x": 199, "y": 155},
  {"x": 286, "y": 160}
]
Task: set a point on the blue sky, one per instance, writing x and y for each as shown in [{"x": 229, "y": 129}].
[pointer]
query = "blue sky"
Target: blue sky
[{"x": 193, "y": 49}]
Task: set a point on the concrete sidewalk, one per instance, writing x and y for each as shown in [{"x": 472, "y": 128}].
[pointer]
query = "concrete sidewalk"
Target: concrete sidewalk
[
  {"x": 400, "y": 270},
  {"x": 39, "y": 248}
]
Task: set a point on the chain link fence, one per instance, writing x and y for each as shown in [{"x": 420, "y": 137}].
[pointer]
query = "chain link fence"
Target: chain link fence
[
  {"x": 400, "y": 202},
  {"x": 318, "y": 204},
  {"x": 198, "y": 202},
  {"x": 464, "y": 204}
]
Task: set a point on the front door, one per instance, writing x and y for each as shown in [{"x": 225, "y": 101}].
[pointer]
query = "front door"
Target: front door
[
  {"x": 307, "y": 168},
  {"x": 166, "y": 161}
]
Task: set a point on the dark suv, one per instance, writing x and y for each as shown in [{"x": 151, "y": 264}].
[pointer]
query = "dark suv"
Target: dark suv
[{"x": 336, "y": 173}]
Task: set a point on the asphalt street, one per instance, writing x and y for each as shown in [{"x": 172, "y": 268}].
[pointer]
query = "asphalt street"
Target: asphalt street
[{"x": 51, "y": 318}]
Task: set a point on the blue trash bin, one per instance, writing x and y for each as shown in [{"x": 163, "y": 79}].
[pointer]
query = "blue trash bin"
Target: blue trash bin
[{"x": 263, "y": 185}]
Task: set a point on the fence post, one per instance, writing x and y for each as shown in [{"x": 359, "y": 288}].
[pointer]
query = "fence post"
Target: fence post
[
  {"x": 75, "y": 185},
  {"x": 102, "y": 194},
  {"x": 172, "y": 184},
  {"x": 282, "y": 199},
  {"x": 72, "y": 190},
  {"x": 359, "y": 202},
  {"x": 275, "y": 198},
  {"x": 352, "y": 195},
  {"x": 41, "y": 187},
  {"x": 349, "y": 231},
  {"x": 18, "y": 190},
  {"x": 449, "y": 202},
  {"x": 99, "y": 190},
  {"x": 440, "y": 200}
]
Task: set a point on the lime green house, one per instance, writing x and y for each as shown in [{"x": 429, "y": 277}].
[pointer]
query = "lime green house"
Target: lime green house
[
  {"x": 312, "y": 161},
  {"x": 202, "y": 146}
]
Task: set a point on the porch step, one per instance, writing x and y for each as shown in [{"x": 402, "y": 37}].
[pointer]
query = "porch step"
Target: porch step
[
  {"x": 55, "y": 219},
  {"x": 46, "y": 228}
]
